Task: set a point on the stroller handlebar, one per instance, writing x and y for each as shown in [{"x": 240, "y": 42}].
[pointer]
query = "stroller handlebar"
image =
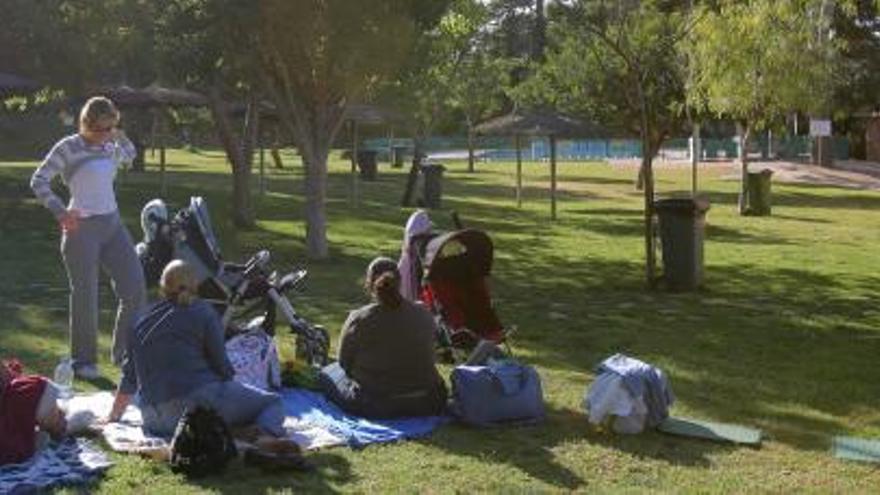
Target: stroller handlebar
[{"x": 258, "y": 260}]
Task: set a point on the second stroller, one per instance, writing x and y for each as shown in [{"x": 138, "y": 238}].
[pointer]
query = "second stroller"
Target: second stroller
[{"x": 246, "y": 295}]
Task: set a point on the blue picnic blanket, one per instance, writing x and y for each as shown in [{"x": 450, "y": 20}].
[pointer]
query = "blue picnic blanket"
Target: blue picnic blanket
[
  {"x": 315, "y": 409},
  {"x": 74, "y": 461}
]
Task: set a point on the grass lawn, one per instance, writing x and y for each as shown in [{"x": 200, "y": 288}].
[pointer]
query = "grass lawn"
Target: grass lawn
[{"x": 785, "y": 337}]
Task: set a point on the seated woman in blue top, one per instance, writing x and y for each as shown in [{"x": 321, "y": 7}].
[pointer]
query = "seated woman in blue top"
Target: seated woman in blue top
[{"x": 177, "y": 359}]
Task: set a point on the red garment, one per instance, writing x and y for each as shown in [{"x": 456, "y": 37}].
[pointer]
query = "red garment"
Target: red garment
[
  {"x": 465, "y": 304},
  {"x": 18, "y": 417}
]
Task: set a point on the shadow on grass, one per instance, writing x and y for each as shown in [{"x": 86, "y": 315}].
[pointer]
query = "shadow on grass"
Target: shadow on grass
[
  {"x": 716, "y": 233},
  {"x": 332, "y": 471},
  {"x": 778, "y": 348},
  {"x": 531, "y": 448},
  {"x": 750, "y": 349},
  {"x": 801, "y": 219},
  {"x": 804, "y": 196}
]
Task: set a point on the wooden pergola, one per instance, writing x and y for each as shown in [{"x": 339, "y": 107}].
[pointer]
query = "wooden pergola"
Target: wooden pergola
[{"x": 536, "y": 123}]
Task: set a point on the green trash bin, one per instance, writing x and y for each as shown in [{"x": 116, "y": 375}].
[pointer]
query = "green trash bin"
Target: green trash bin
[
  {"x": 399, "y": 153},
  {"x": 432, "y": 175},
  {"x": 682, "y": 225},
  {"x": 757, "y": 200}
]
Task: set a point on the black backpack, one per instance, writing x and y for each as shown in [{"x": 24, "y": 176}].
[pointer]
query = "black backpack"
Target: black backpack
[{"x": 202, "y": 443}]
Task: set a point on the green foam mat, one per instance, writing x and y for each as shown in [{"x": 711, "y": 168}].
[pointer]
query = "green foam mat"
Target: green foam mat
[
  {"x": 856, "y": 449},
  {"x": 719, "y": 432}
]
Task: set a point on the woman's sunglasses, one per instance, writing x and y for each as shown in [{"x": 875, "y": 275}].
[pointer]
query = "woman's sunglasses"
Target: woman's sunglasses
[{"x": 102, "y": 129}]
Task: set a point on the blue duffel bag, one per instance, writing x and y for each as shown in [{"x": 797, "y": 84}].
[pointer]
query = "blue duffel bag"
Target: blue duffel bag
[{"x": 502, "y": 392}]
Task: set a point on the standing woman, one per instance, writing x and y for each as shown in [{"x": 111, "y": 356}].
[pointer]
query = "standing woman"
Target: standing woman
[{"x": 93, "y": 234}]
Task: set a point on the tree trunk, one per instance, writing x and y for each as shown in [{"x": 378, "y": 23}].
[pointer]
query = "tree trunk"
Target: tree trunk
[
  {"x": 241, "y": 207},
  {"x": 273, "y": 149},
  {"x": 315, "y": 208},
  {"x": 540, "y": 33},
  {"x": 646, "y": 178},
  {"x": 745, "y": 132},
  {"x": 413, "y": 177},
  {"x": 647, "y": 171}
]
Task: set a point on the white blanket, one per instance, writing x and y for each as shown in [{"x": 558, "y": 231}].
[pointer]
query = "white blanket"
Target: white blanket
[{"x": 128, "y": 436}]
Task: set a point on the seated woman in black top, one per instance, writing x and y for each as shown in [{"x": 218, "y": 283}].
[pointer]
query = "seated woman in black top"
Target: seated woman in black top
[{"x": 386, "y": 362}]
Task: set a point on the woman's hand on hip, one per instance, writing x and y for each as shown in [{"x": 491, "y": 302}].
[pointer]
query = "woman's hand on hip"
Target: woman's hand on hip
[{"x": 69, "y": 220}]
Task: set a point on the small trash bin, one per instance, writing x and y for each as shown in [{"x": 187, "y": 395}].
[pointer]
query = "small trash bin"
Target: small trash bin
[
  {"x": 399, "y": 154},
  {"x": 366, "y": 160},
  {"x": 757, "y": 200},
  {"x": 682, "y": 225},
  {"x": 432, "y": 174}
]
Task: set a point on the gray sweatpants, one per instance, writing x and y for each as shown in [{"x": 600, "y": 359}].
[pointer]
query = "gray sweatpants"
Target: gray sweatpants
[{"x": 101, "y": 241}]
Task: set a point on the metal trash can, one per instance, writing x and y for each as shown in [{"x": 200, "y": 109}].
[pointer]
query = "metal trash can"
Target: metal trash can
[
  {"x": 399, "y": 154},
  {"x": 757, "y": 200},
  {"x": 432, "y": 174},
  {"x": 682, "y": 226},
  {"x": 366, "y": 160}
]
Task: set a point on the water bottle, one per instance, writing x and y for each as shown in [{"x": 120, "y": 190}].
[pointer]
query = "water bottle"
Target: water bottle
[{"x": 64, "y": 377}]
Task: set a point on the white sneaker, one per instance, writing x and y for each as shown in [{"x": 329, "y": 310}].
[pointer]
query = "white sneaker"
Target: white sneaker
[{"x": 86, "y": 371}]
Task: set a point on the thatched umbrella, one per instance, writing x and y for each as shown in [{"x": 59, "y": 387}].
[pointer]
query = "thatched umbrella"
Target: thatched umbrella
[
  {"x": 152, "y": 97},
  {"x": 372, "y": 114},
  {"x": 15, "y": 85},
  {"x": 538, "y": 123}
]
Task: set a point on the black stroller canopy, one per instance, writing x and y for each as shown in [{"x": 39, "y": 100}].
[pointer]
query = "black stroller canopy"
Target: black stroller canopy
[{"x": 459, "y": 254}]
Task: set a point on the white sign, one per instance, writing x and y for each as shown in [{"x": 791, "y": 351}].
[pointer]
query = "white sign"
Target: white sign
[{"x": 820, "y": 128}]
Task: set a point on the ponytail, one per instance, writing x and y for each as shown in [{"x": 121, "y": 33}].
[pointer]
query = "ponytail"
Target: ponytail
[{"x": 386, "y": 290}]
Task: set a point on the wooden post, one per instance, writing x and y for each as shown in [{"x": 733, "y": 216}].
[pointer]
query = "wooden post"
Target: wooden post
[
  {"x": 391, "y": 145},
  {"x": 696, "y": 151},
  {"x": 163, "y": 178},
  {"x": 354, "y": 153},
  {"x": 517, "y": 145},
  {"x": 552, "y": 177},
  {"x": 262, "y": 166},
  {"x": 470, "y": 138},
  {"x": 153, "y": 133}
]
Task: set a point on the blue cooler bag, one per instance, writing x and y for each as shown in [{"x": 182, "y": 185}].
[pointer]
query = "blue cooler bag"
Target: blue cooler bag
[{"x": 501, "y": 392}]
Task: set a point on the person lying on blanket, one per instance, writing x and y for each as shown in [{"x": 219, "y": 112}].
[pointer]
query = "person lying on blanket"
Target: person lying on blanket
[
  {"x": 177, "y": 360},
  {"x": 386, "y": 364},
  {"x": 29, "y": 413}
]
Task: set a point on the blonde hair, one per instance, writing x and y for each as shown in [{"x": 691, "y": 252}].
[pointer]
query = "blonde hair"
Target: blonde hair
[
  {"x": 178, "y": 283},
  {"x": 97, "y": 109}
]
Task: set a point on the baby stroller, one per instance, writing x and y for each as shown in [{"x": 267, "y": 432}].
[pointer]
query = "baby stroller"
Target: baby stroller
[
  {"x": 237, "y": 291},
  {"x": 456, "y": 266}
]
